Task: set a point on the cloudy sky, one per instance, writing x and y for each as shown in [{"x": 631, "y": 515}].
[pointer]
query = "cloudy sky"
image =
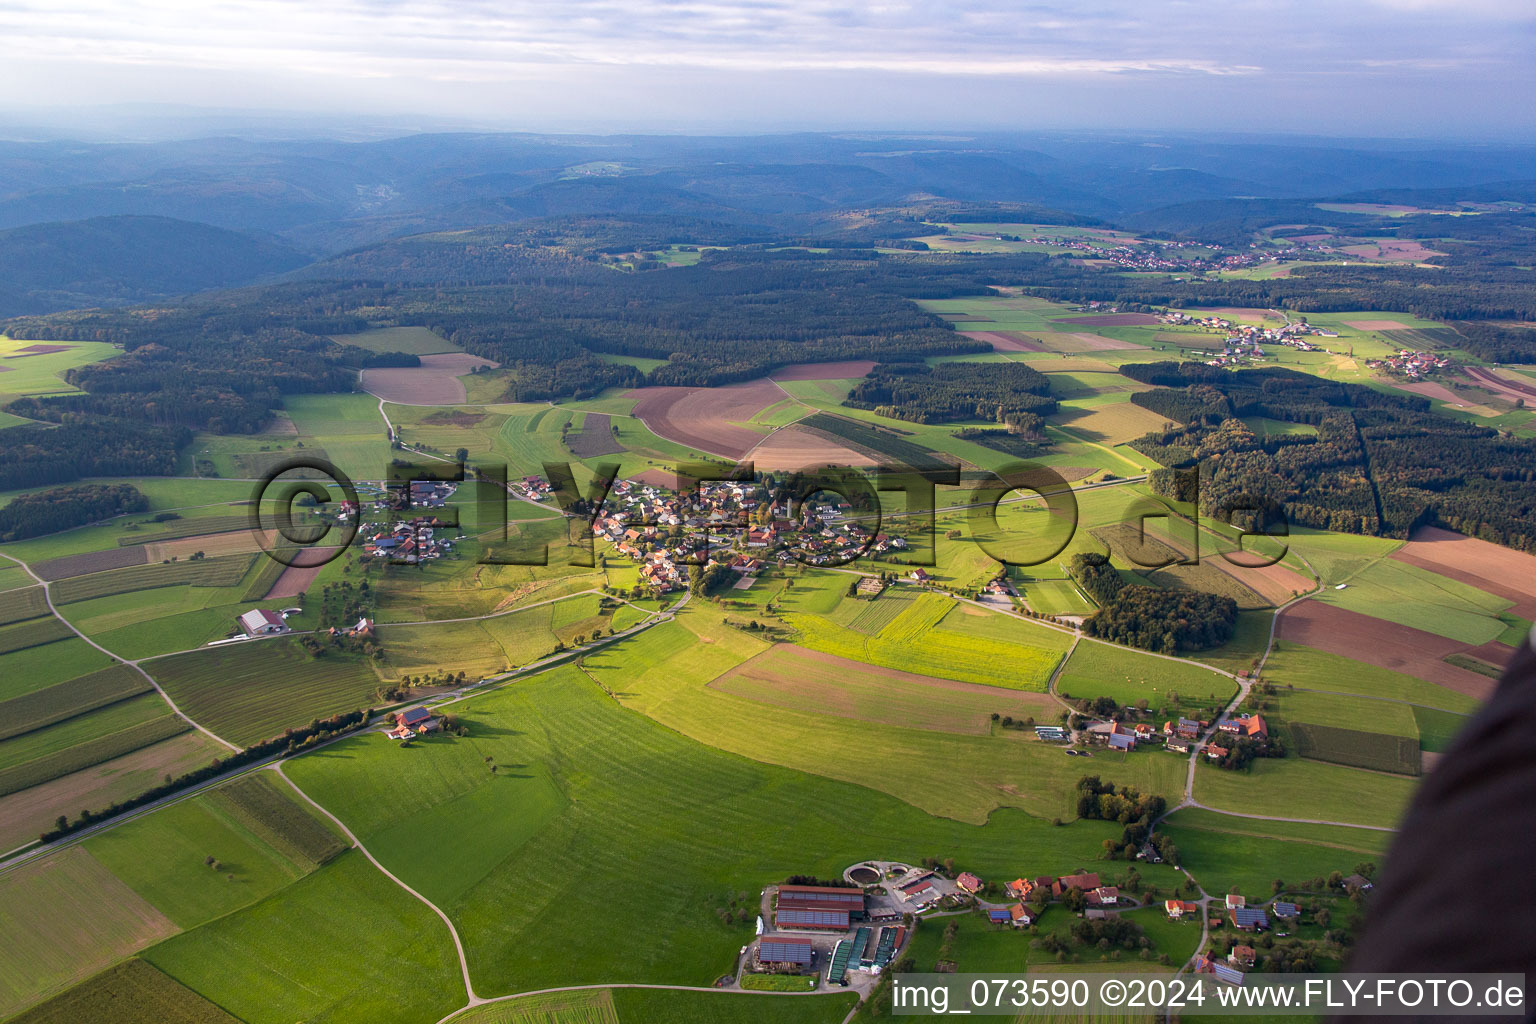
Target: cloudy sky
[{"x": 1371, "y": 67}]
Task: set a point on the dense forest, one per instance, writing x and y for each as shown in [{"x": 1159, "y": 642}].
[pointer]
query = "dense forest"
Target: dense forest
[
  {"x": 1013, "y": 394},
  {"x": 1150, "y": 617},
  {"x": 1379, "y": 463},
  {"x": 32, "y": 515}
]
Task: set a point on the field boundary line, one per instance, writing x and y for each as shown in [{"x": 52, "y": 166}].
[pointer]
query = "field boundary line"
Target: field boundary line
[
  {"x": 134, "y": 664},
  {"x": 469, "y": 986}
]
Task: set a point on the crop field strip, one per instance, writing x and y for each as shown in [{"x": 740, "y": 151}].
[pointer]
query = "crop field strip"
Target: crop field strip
[
  {"x": 253, "y": 691},
  {"x": 64, "y": 918},
  {"x": 217, "y": 571},
  {"x": 37, "y": 668},
  {"x": 23, "y": 604},
  {"x": 275, "y": 816},
  {"x": 89, "y": 753},
  {"x": 1357, "y": 749},
  {"x": 20, "y": 636},
  {"x": 66, "y": 566},
  {"x": 132, "y": 992},
  {"x": 191, "y": 527},
  {"x": 591, "y": 1006},
  {"x": 62, "y": 701}
]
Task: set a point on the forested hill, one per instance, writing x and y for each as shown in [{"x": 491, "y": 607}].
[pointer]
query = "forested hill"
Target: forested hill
[{"x": 112, "y": 261}]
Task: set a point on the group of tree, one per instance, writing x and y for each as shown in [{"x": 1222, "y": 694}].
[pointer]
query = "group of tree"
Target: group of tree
[
  {"x": 1379, "y": 463},
  {"x": 291, "y": 741},
  {"x": 59, "y": 508},
  {"x": 1015, "y": 395},
  {"x": 1152, "y": 618}
]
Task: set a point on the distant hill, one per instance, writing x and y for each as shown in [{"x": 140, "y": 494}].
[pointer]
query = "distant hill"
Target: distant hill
[{"x": 111, "y": 261}]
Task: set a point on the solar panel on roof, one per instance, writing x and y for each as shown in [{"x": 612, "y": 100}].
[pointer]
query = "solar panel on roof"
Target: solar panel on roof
[
  {"x": 784, "y": 951},
  {"x": 813, "y": 918}
]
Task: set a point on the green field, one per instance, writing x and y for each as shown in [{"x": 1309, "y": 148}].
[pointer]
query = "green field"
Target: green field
[
  {"x": 1394, "y": 718},
  {"x": 251, "y": 691},
  {"x": 1223, "y": 851},
  {"x": 343, "y": 944},
  {"x": 1411, "y": 596},
  {"x": 1296, "y": 788},
  {"x": 215, "y": 571},
  {"x": 1437, "y": 728},
  {"x": 651, "y": 1006},
  {"x": 588, "y": 791},
  {"x": 1292, "y": 665},
  {"x": 44, "y": 374},
  {"x": 44, "y": 707},
  {"x": 1357, "y": 748},
  {"x": 41, "y": 755},
  {"x": 1107, "y": 670},
  {"x": 42, "y": 907},
  {"x": 664, "y": 673}
]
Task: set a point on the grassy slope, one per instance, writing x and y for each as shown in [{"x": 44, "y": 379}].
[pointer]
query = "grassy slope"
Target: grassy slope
[{"x": 548, "y": 900}]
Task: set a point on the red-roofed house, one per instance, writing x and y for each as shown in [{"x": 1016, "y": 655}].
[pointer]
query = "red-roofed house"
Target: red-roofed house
[{"x": 969, "y": 882}]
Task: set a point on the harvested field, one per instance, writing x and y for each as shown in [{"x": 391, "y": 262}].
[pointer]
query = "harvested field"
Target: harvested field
[
  {"x": 1008, "y": 341},
  {"x": 594, "y": 438},
  {"x": 663, "y": 478},
  {"x": 1275, "y": 584},
  {"x": 1392, "y": 249},
  {"x": 794, "y": 677},
  {"x": 825, "y": 371},
  {"x": 435, "y": 382},
  {"x": 1084, "y": 342},
  {"x": 91, "y": 561},
  {"x": 1110, "y": 320},
  {"x": 706, "y": 418},
  {"x": 62, "y": 919},
  {"x": 1511, "y": 389},
  {"x": 1251, "y": 314},
  {"x": 1382, "y": 643},
  {"x": 1434, "y": 392},
  {"x": 1109, "y": 424},
  {"x": 234, "y": 542},
  {"x": 177, "y": 528},
  {"x": 1377, "y": 325},
  {"x": 1479, "y": 563},
  {"x": 795, "y": 448},
  {"x": 23, "y": 815}
]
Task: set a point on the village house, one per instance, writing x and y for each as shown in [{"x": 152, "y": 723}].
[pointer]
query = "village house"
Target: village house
[
  {"x": 969, "y": 882},
  {"x": 1248, "y": 919},
  {"x": 1179, "y": 909},
  {"x": 1242, "y": 956},
  {"x": 417, "y": 721}
]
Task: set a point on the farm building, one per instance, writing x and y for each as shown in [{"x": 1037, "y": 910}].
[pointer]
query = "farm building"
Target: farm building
[
  {"x": 260, "y": 622},
  {"x": 1086, "y": 881},
  {"x": 999, "y": 915},
  {"x": 917, "y": 888},
  {"x": 1103, "y": 896},
  {"x": 418, "y": 721},
  {"x": 819, "y": 908},
  {"x": 1285, "y": 910},
  {"x": 785, "y": 949},
  {"x": 1251, "y": 726},
  {"x": 1235, "y": 900}
]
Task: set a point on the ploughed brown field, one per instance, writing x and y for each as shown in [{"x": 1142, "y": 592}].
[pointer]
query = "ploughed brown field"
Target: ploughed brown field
[
  {"x": 1007, "y": 341},
  {"x": 844, "y": 370},
  {"x": 297, "y": 578},
  {"x": 794, "y": 448},
  {"x": 91, "y": 561},
  {"x": 1505, "y": 386},
  {"x": 707, "y": 418},
  {"x": 1429, "y": 389},
  {"x": 1385, "y": 644},
  {"x": 594, "y": 438},
  {"x": 434, "y": 382},
  {"x": 38, "y": 350},
  {"x": 1478, "y": 563}
]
